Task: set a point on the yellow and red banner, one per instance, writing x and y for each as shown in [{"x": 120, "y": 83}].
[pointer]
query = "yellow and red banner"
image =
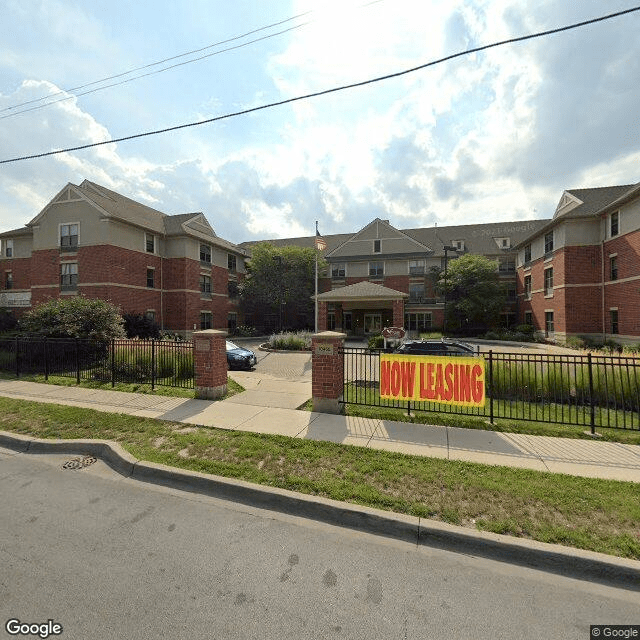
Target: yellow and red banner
[{"x": 448, "y": 380}]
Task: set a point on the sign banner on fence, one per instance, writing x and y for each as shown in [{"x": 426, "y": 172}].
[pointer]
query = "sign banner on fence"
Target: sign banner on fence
[{"x": 448, "y": 380}]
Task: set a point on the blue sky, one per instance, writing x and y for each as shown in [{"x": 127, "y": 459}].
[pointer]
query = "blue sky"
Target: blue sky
[{"x": 494, "y": 136}]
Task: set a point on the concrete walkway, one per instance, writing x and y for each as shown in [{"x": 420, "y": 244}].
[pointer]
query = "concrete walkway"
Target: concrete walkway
[{"x": 269, "y": 405}]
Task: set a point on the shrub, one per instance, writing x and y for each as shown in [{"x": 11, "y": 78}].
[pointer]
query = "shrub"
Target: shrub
[
  {"x": 138, "y": 325},
  {"x": 376, "y": 342},
  {"x": 575, "y": 342},
  {"x": 76, "y": 317},
  {"x": 8, "y": 321},
  {"x": 290, "y": 341}
]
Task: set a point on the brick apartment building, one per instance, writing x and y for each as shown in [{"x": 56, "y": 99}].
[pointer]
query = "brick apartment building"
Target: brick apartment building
[
  {"x": 579, "y": 274},
  {"x": 382, "y": 276},
  {"x": 94, "y": 242}
]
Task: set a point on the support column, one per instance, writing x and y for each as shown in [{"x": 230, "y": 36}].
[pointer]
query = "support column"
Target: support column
[
  {"x": 210, "y": 354},
  {"x": 398, "y": 313},
  {"x": 327, "y": 371},
  {"x": 322, "y": 316}
]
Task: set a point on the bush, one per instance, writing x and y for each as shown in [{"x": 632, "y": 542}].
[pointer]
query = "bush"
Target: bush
[
  {"x": 575, "y": 342},
  {"x": 290, "y": 341},
  {"x": 76, "y": 317},
  {"x": 376, "y": 342},
  {"x": 138, "y": 325},
  {"x": 7, "y": 321}
]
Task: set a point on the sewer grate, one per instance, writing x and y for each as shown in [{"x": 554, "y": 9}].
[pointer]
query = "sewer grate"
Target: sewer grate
[{"x": 80, "y": 462}]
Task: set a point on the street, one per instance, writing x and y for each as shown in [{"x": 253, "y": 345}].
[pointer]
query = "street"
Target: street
[{"x": 109, "y": 557}]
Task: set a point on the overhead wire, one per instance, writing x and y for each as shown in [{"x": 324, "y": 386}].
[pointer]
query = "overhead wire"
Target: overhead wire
[{"x": 333, "y": 89}]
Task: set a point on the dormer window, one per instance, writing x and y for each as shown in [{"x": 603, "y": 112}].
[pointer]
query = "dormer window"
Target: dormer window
[
  {"x": 69, "y": 236},
  {"x": 458, "y": 244},
  {"x": 376, "y": 246}
]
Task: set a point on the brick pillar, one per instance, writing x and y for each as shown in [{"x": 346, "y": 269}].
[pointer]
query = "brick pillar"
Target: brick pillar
[
  {"x": 338, "y": 317},
  {"x": 210, "y": 355},
  {"x": 398, "y": 313},
  {"x": 327, "y": 371},
  {"x": 322, "y": 316}
]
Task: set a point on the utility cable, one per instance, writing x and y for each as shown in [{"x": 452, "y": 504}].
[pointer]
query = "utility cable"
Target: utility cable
[{"x": 332, "y": 90}]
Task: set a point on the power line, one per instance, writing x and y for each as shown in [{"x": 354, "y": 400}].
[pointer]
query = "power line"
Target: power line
[
  {"x": 159, "y": 62},
  {"x": 334, "y": 89}
]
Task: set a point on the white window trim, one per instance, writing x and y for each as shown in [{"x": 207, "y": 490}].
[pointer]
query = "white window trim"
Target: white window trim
[
  {"x": 67, "y": 224},
  {"x": 369, "y": 268},
  {"x": 8, "y": 244},
  {"x": 337, "y": 264},
  {"x": 155, "y": 243}
]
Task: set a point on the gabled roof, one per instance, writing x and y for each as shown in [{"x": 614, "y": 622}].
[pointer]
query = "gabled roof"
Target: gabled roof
[
  {"x": 591, "y": 201},
  {"x": 395, "y": 242},
  {"x": 361, "y": 291}
]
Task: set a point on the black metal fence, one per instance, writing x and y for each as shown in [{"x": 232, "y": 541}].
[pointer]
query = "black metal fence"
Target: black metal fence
[
  {"x": 586, "y": 390},
  {"x": 154, "y": 362}
]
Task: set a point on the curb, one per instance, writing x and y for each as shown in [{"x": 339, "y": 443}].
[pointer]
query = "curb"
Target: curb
[{"x": 566, "y": 561}]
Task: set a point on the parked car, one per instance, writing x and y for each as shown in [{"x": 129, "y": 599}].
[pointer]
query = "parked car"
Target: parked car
[
  {"x": 239, "y": 357},
  {"x": 436, "y": 348}
]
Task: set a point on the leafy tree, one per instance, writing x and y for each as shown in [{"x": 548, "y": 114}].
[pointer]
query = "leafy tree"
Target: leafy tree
[
  {"x": 475, "y": 296},
  {"x": 76, "y": 317},
  {"x": 139, "y": 325},
  {"x": 280, "y": 284},
  {"x": 7, "y": 321}
]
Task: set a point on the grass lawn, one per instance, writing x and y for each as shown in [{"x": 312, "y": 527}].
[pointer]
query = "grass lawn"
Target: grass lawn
[{"x": 600, "y": 515}]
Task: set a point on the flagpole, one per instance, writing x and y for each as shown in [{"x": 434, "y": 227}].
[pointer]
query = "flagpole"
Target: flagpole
[{"x": 316, "y": 298}]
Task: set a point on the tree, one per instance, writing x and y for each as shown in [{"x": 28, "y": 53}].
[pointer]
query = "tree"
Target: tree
[
  {"x": 139, "y": 325},
  {"x": 475, "y": 296},
  {"x": 279, "y": 286},
  {"x": 76, "y": 317}
]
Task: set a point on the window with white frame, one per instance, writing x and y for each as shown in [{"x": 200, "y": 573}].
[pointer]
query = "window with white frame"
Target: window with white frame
[
  {"x": 205, "y": 253},
  {"x": 8, "y": 248},
  {"x": 377, "y": 246},
  {"x": 416, "y": 267},
  {"x": 205, "y": 320},
  {"x": 416, "y": 292},
  {"x": 8, "y": 280},
  {"x": 613, "y": 267},
  {"x": 527, "y": 287},
  {"x": 614, "y": 224},
  {"x": 151, "y": 276},
  {"x": 459, "y": 245},
  {"x": 376, "y": 269},
  {"x": 205, "y": 284},
  {"x": 69, "y": 276},
  {"x": 149, "y": 243},
  {"x": 69, "y": 236},
  {"x": 417, "y": 321},
  {"x": 232, "y": 263},
  {"x": 527, "y": 253},
  {"x": 548, "y": 243},
  {"x": 548, "y": 322},
  {"x": 338, "y": 270},
  {"x": 528, "y": 318},
  {"x": 548, "y": 282}
]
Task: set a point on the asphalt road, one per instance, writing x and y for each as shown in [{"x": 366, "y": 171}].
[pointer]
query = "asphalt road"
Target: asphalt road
[{"x": 108, "y": 557}]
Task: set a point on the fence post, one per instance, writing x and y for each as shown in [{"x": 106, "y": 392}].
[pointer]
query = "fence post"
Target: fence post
[
  {"x": 153, "y": 364},
  {"x": 490, "y": 385},
  {"x": 46, "y": 359},
  {"x": 113, "y": 362},
  {"x": 77, "y": 362},
  {"x": 591, "y": 398},
  {"x": 17, "y": 357}
]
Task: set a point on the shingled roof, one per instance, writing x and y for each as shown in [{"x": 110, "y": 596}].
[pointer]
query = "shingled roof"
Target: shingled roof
[{"x": 361, "y": 291}]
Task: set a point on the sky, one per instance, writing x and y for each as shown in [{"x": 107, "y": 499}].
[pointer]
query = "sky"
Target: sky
[{"x": 487, "y": 137}]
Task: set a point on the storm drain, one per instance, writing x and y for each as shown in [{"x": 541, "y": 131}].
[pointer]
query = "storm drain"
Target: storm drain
[{"x": 79, "y": 463}]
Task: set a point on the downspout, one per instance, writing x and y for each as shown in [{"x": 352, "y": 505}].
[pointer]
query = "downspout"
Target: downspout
[
  {"x": 604, "y": 328},
  {"x": 164, "y": 247}
]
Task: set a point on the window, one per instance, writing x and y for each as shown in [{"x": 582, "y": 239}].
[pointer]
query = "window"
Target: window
[
  {"x": 504, "y": 243},
  {"x": 338, "y": 270},
  {"x": 548, "y": 243},
  {"x": 68, "y": 236},
  {"x": 69, "y": 276},
  {"x": 417, "y": 321},
  {"x": 331, "y": 321},
  {"x": 205, "y": 284},
  {"x": 511, "y": 293},
  {"x": 548, "y": 282},
  {"x": 150, "y": 278},
  {"x": 232, "y": 322},
  {"x": 150, "y": 243},
  {"x": 205, "y": 253},
  {"x": 614, "y": 321},
  {"x": 527, "y": 253},
  {"x": 8, "y": 248},
  {"x": 150, "y": 314},
  {"x": 528, "y": 318},
  {"x": 416, "y": 267},
  {"x": 376, "y": 268},
  {"x": 507, "y": 265},
  {"x": 416, "y": 293},
  {"x": 614, "y": 223},
  {"x": 8, "y": 280},
  {"x": 205, "y": 320},
  {"x": 231, "y": 263},
  {"x": 459, "y": 245},
  {"x": 376, "y": 246},
  {"x": 613, "y": 267},
  {"x": 527, "y": 287},
  {"x": 548, "y": 322}
]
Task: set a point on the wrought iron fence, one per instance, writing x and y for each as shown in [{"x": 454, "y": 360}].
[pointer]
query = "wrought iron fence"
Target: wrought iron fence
[
  {"x": 585, "y": 390},
  {"x": 154, "y": 362}
]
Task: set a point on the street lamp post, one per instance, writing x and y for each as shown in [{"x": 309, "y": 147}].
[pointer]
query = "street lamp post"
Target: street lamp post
[{"x": 446, "y": 249}]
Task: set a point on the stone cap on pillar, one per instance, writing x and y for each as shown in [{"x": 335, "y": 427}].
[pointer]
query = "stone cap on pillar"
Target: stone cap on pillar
[
  {"x": 211, "y": 332},
  {"x": 329, "y": 334}
]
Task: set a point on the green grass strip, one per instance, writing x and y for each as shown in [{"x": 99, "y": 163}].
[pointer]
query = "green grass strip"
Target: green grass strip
[{"x": 599, "y": 515}]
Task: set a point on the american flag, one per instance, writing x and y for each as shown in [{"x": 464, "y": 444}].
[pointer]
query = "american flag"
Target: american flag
[{"x": 321, "y": 243}]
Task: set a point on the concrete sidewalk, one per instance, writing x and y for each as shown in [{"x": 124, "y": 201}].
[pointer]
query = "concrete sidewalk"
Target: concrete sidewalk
[{"x": 269, "y": 405}]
